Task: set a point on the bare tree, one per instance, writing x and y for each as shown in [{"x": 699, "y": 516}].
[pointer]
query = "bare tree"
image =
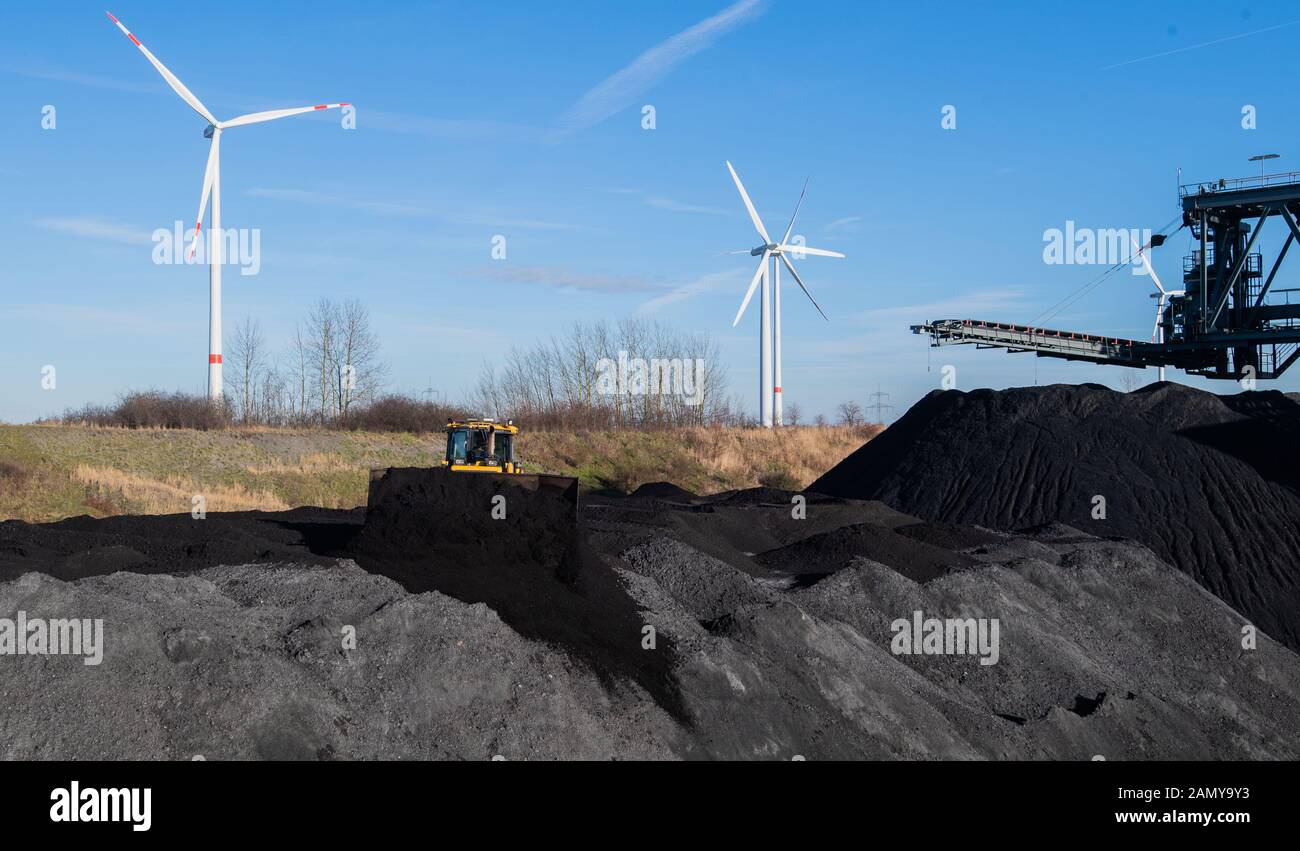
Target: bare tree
[
  {"x": 633, "y": 373},
  {"x": 792, "y": 414},
  {"x": 301, "y": 370},
  {"x": 356, "y": 357},
  {"x": 275, "y": 404},
  {"x": 247, "y": 357},
  {"x": 322, "y": 337},
  {"x": 850, "y": 413},
  {"x": 820, "y": 421}
]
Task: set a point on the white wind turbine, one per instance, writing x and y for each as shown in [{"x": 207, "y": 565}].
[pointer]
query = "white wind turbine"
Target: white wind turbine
[
  {"x": 769, "y": 393},
  {"x": 212, "y": 186},
  {"x": 1162, "y": 296}
]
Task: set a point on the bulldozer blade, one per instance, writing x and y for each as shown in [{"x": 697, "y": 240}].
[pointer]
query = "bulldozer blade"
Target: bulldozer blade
[
  {"x": 384, "y": 479},
  {"x": 472, "y": 518}
]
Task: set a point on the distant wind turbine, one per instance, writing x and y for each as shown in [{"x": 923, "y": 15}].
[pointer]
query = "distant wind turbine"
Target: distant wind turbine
[
  {"x": 769, "y": 393},
  {"x": 212, "y": 186},
  {"x": 1158, "y": 332}
]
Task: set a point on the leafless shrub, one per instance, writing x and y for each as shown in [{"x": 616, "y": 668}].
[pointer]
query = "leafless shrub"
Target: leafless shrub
[
  {"x": 156, "y": 409},
  {"x": 398, "y": 413}
]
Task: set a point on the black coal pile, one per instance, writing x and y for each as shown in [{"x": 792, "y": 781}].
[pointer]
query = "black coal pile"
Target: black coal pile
[
  {"x": 1210, "y": 483},
  {"x": 751, "y": 625},
  {"x": 83, "y": 546},
  {"x": 484, "y": 539}
]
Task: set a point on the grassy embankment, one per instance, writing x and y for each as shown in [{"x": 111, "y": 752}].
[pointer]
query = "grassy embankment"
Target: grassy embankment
[{"x": 50, "y": 471}]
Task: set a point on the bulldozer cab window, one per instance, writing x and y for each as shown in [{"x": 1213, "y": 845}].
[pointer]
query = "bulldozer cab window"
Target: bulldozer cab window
[
  {"x": 477, "y": 446},
  {"x": 504, "y": 450},
  {"x": 458, "y": 446}
]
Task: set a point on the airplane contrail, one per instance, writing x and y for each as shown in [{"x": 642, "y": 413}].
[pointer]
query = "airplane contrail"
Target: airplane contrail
[
  {"x": 1202, "y": 44},
  {"x": 620, "y": 89}
]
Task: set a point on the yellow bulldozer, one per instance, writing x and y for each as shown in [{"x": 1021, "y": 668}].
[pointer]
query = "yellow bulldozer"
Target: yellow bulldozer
[{"x": 482, "y": 448}]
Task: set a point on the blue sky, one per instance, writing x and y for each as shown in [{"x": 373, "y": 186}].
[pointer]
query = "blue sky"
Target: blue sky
[{"x": 524, "y": 119}]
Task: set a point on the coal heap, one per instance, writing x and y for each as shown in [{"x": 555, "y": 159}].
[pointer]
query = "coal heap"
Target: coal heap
[
  {"x": 1210, "y": 483},
  {"x": 431, "y": 530}
]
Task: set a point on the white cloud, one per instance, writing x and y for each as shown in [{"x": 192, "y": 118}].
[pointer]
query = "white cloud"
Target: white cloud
[
  {"x": 96, "y": 228},
  {"x": 477, "y": 218},
  {"x": 486, "y": 218},
  {"x": 566, "y": 280},
  {"x": 848, "y": 223},
  {"x": 621, "y": 89},
  {"x": 711, "y": 282},
  {"x": 98, "y": 320},
  {"x": 661, "y": 203},
  {"x": 985, "y": 304},
  {"x": 62, "y": 75},
  {"x": 311, "y": 197}
]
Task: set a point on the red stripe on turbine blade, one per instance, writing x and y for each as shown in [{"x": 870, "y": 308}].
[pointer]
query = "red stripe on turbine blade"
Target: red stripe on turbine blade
[
  {"x": 214, "y": 358},
  {"x": 322, "y": 106},
  {"x": 110, "y": 17},
  {"x": 134, "y": 40},
  {"x": 345, "y": 104}
]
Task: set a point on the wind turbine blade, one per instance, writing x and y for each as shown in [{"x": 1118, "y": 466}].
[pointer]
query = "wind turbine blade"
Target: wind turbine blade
[
  {"x": 749, "y": 205},
  {"x": 1146, "y": 262},
  {"x": 271, "y": 115},
  {"x": 795, "y": 215},
  {"x": 803, "y": 249},
  {"x": 214, "y": 153},
  {"x": 177, "y": 85},
  {"x": 753, "y": 285},
  {"x": 799, "y": 281}
]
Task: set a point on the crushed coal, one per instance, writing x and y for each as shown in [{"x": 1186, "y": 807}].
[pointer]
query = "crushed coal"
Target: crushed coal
[
  {"x": 484, "y": 539},
  {"x": 829, "y": 552},
  {"x": 665, "y": 491},
  {"x": 1210, "y": 483},
  {"x": 748, "y": 625}
]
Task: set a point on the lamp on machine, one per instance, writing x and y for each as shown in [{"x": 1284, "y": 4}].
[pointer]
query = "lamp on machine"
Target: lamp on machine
[{"x": 1260, "y": 159}]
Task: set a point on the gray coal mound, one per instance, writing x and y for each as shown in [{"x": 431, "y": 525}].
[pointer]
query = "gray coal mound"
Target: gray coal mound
[
  {"x": 1210, "y": 483},
  {"x": 835, "y": 550},
  {"x": 532, "y": 568},
  {"x": 248, "y": 662},
  {"x": 436, "y": 531},
  {"x": 85, "y": 546},
  {"x": 664, "y": 490}
]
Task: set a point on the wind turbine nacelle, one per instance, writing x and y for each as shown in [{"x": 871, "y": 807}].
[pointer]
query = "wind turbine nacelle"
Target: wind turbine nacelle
[
  {"x": 209, "y": 131},
  {"x": 758, "y": 252}
]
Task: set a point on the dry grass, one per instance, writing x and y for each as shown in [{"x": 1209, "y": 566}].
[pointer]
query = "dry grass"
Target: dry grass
[
  {"x": 132, "y": 493},
  {"x": 791, "y": 458},
  {"x": 52, "y": 471},
  {"x": 315, "y": 462},
  {"x": 703, "y": 460}
]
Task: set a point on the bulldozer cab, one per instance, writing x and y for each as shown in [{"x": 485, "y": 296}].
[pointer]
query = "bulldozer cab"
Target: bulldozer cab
[{"x": 481, "y": 445}]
